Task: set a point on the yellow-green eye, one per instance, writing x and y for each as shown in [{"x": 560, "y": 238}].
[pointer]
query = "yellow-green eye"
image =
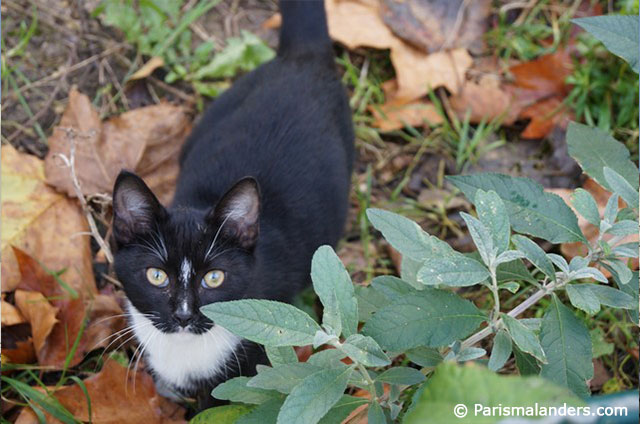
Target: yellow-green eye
[
  {"x": 157, "y": 277},
  {"x": 213, "y": 279}
]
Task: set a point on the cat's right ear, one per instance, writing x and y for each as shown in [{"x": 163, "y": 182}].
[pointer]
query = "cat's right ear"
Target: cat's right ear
[{"x": 135, "y": 208}]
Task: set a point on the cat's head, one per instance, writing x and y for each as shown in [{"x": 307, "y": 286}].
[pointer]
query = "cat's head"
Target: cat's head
[{"x": 172, "y": 261}]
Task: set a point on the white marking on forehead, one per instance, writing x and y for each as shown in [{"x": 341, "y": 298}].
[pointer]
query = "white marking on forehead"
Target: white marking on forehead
[{"x": 186, "y": 271}]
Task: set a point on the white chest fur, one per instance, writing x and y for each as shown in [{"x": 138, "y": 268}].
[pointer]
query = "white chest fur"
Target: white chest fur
[{"x": 180, "y": 359}]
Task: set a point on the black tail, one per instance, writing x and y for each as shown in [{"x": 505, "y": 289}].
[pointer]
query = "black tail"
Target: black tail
[{"x": 304, "y": 27}]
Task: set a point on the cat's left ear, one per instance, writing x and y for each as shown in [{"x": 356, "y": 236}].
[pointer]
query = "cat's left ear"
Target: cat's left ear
[{"x": 237, "y": 214}]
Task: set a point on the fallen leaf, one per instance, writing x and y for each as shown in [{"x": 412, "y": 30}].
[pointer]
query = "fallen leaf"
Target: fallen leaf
[
  {"x": 542, "y": 77},
  {"x": 46, "y": 224},
  {"x": 17, "y": 344},
  {"x": 10, "y": 314},
  {"x": 417, "y": 73},
  {"x": 54, "y": 342},
  {"x": 40, "y": 314},
  {"x": 485, "y": 100},
  {"x": 146, "y": 140},
  {"x": 544, "y": 115},
  {"x": 395, "y": 115},
  {"x": 147, "y": 69},
  {"x": 358, "y": 24},
  {"x": 431, "y": 25},
  {"x": 114, "y": 400}
]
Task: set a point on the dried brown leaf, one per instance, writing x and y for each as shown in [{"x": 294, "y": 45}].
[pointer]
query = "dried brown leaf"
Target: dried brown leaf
[
  {"x": 39, "y": 313},
  {"x": 33, "y": 217},
  {"x": 147, "y": 69},
  {"x": 394, "y": 115},
  {"x": 114, "y": 401},
  {"x": 10, "y": 314},
  {"x": 145, "y": 140}
]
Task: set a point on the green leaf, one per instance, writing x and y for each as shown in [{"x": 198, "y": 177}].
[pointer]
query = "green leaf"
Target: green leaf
[
  {"x": 626, "y": 250},
  {"x": 329, "y": 358},
  {"x": 330, "y": 278},
  {"x": 429, "y": 317},
  {"x": 610, "y": 212},
  {"x": 241, "y": 53},
  {"x": 611, "y": 297},
  {"x": 282, "y": 378},
  {"x": 618, "y": 33},
  {"x": 535, "y": 254},
  {"x": 281, "y": 355},
  {"x": 310, "y": 400},
  {"x": 409, "y": 272},
  {"x": 508, "y": 256},
  {"x": 514, "y": 270},
  {"x": 620, "y": 271},
  {"x": 531, "y": 210},
  {"x": 481, "y": 238},
  {"x": 524, "y": 338},
  {"x": 588, "y": 272},
  {"x": 369, "y": 301},
  {"x": 621, "y": 187},
  {"x": 452, "y": 385},
  {"x": 470, "y": 353},
  {"x": 626, "y": 227},
  {"x": 406, "y": 236},
  {"x": 266, "y": 413},
  {"x": 236, "y": 390},
  {"x": 567, "y": 344},
  {"x": 401, "y": 375},
  {"x": 264, "y": 321},
  {"x": 341, "y": 410},
  {"x": 227, "y": 414},
  {"x": 511, "y": 286},
  {"x": 583, "y": 298},
  {"x": 527, "y": 364},
  {"x": 375, "y": 415},
  {"x": 595, "y": 149},
  {"x": 632, "y": 290},
  {"x": 424, "y": 356},
  {"x": 493, "y": 214},
  {"x": 365, "y": 350},
  {"x": 454, "y": 271},
  {"x": 391, "y": 287},
  {"x": 586, "y": 206},
  {"x": 501, "y": 350}
]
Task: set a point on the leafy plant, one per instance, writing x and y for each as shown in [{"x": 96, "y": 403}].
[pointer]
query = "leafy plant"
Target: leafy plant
[
  {"x": 160, "y": 29},
  {"x": 420, "y": 318}
]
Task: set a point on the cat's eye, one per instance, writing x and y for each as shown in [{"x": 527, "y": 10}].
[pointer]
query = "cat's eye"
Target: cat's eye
[
  {"x": 157, "y": 277},
  {"x": 213, "y": 279}
]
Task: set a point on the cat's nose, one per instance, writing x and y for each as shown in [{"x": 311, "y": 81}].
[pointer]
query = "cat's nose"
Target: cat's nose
[{"x": 183, "y": 317}]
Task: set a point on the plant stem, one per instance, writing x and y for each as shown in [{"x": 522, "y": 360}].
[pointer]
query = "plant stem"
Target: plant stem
[
  {"x": 496, "y": 297},
  {"x": 370, "y": 383}
]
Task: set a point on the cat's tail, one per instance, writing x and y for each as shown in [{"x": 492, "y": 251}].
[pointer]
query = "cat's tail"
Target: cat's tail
[{"x": 304, "y": 28}]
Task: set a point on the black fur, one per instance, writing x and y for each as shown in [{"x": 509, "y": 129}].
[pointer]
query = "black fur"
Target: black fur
[{"x": 288, "y": 126}]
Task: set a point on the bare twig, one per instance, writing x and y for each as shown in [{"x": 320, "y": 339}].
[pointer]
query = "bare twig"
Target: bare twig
[{"x": 70, "y": 163}]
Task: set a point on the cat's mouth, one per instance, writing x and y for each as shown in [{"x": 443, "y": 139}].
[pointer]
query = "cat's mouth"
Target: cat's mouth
[{"x": 191, "y": 328}]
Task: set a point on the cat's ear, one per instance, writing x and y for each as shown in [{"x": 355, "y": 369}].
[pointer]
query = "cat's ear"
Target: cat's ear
[
  {"x": 236, "y": 215},
  {"x": 135, "y": 208}
]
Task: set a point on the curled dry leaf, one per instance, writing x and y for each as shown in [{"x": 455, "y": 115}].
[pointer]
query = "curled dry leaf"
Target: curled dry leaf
[
  {"x": 359, "y": 24},
  {"x": 114, "y": 400},
  {"x": 431, "y": 25},
  {"x": 145, "y": 140},
  {"x": 394, "y": 115},
  {"x": 33, "y": 217},
  {"x": 147, "y": 69},
  {"x": 53, "y": 340},
  {"x": 17, "y": 344},
  {"x": 39, "y": 313},
  {"x": 10, "y": 314}
]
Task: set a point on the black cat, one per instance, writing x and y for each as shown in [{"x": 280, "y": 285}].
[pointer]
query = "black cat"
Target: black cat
[{"x": 264, "y": 181}]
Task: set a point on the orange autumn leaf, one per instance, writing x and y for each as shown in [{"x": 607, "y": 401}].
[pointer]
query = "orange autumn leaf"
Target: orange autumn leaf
[
  {"x": 53, "y": 340},
  {"x": 34, "y": 215},
  {"x": 39, "y": 313},
  {"x": 114, "y": 400},
  {"x": 395, "y": 115}
]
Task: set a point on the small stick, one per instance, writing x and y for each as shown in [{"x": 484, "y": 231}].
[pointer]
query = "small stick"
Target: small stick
[{"x": 70, "y": 163}]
